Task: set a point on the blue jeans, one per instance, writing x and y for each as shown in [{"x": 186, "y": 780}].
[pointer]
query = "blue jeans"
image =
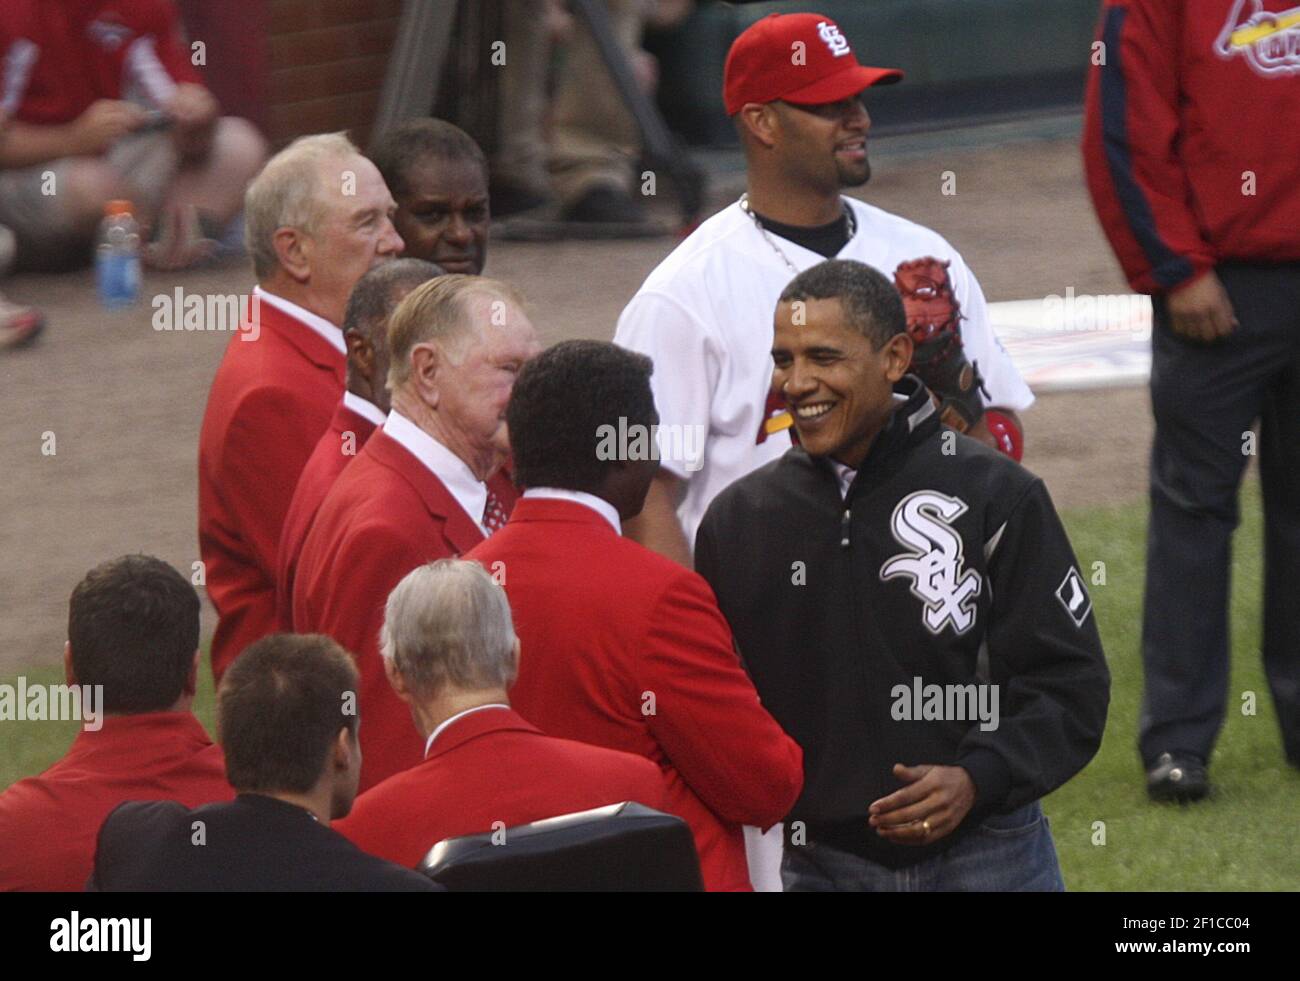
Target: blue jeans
[{"x": 1011, "y": 852}]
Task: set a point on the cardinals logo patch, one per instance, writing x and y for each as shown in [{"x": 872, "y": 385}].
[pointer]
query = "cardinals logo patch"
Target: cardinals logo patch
[{"x": 1270, "y": 42}]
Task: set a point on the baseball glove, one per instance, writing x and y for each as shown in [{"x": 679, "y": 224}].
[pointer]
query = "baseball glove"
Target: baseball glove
[{"x": 938, "y": 359}]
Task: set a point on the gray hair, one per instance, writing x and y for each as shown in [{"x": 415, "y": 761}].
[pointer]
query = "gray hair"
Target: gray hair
[
  {"x": 447, "y": 623},
  {"x": 287, "y": 194},
  {"x": 437, "y": 311}
]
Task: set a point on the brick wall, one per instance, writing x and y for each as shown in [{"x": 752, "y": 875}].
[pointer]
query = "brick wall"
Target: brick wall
[{"x": 326, "y": 65}]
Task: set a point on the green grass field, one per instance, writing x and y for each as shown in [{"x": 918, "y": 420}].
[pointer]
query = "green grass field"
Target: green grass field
[{"x": 1244, "y": 838}]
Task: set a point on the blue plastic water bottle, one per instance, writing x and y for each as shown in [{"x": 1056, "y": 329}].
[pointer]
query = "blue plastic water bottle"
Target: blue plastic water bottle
[{"x": 117, "y": 256}]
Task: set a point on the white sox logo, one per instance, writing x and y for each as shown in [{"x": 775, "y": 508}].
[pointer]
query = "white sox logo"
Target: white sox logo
[
  {"x": 922, "y": 522},
  {"x": 1270, "y": 42}
]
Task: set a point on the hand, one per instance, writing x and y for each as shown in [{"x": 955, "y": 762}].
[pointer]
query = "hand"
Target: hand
[
  {"x": 192, "y": 106},
  {"x": 103, "y": 123},
  {"x": 1202, "y": 311},
  {"x": 194, "y": 111},
  {"x": 938, "y": 795}
]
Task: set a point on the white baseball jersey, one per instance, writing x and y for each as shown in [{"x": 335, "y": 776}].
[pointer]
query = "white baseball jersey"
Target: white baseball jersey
[{"x": 705, "y": 314}]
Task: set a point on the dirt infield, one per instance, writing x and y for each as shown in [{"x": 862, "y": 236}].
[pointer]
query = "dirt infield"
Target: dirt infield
[{"x": 124, "y": 402}]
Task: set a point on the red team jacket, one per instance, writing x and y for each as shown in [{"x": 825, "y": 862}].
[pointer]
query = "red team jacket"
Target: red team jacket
[
  {"x": 488, "y": 766},
  {"x": 385, "y": 515},
  {"x": 626, "y": 649},
  {"x": 61, "y": 56},
  {"x": 1196, "y": 102},
  {"x": 323, "y": 468},
  {"x": 270, "y": 401},
  {"x": 49, "y": 823}
]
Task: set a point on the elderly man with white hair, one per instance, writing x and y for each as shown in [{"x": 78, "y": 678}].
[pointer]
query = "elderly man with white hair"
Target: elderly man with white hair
[
  {"x": 427, "y": 485},
  {"x": 317, "y": 218},
  {"x": 450, "y": 652}
]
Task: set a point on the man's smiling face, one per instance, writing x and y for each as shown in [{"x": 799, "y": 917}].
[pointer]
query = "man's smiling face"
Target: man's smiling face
[{"x": 839, "y": 387}]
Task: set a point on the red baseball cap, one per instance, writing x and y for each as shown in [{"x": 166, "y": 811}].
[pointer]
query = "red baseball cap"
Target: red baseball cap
[{"x": 799, "y": 58}]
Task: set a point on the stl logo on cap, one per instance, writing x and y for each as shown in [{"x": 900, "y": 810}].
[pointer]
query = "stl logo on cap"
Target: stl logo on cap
[
  {"x": 837, "y": 42},
  {"x": 803, "y": 59}
]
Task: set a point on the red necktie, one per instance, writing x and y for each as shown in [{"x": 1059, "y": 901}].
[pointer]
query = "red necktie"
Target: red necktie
[{"x": 494, "y": 515}]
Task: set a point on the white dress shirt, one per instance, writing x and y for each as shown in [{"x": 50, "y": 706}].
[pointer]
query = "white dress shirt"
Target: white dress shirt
[
  {"x": 331, "y": 332},
  {"x": 364, "y": 408},
  {"x": 470, "y": 492},
  {"x": 598, "y": 504},
  {"x": 428, "y": 745}
]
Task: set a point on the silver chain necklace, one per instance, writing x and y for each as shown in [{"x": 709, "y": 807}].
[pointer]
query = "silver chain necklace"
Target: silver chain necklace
[{"x": 744, "y": 206}]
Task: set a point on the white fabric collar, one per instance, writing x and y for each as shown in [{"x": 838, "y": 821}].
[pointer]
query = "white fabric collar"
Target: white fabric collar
[
  {"x": 331, "y": 332},
  {"x": 597, "y": 504},
  {"x": 470, "y": 492},
  {"x": 363, "y": 407},
  {"x": 428, "y": 745}
]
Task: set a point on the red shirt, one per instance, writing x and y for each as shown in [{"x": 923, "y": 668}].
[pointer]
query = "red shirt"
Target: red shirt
[
  {"x": 270, "y": 401},
  {"x": 626, "y": 649},
  {"x": 346, "y": 435},
  {"x": 488, "y": 766},
  {"x": 59, "y": 56},
  {"x": 1190, "y": 144},
  {"x": 48, "y": 824}
]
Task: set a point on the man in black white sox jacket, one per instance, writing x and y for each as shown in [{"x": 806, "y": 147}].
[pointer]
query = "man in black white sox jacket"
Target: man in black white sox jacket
[{"x": 911, "y": 612}]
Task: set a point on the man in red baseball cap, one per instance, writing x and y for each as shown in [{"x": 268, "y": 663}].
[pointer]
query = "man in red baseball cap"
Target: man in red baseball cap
[{"x": 793, "y": 88}]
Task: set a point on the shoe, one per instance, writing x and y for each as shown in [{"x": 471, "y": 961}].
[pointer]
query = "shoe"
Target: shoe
[
  {"x": 509, "y": 199},
  {"x": 19, "y": 325},
  {"x": 605, "y": 204},
  {"x": 1179, "y": 777}
]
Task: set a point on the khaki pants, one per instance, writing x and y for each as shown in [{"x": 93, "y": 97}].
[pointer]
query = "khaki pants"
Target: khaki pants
[{"x": 594, "y": 139}]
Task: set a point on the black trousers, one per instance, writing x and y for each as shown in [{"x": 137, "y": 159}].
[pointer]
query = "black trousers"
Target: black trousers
[{"x": 1205, "y": 399}]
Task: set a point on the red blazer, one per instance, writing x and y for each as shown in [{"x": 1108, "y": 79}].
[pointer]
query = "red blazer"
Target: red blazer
[
  {"x": 333, "y": 452},
  {"x": 385, "y": 515},
  {"x": 270, "y": 401},
  {"x": 49, "y": 823},
  {"x": 492, "y": 766},
  {"x": 626, "y": 649}
]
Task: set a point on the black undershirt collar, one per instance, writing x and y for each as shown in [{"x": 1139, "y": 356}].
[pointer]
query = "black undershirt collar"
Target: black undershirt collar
[{"x": 825, "y": 240}]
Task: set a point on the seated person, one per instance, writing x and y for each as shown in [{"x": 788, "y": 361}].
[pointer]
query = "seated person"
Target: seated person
[
  {"x": 287, "y": 717},
  {"x": 19, "y": 323},
  {"x": 450, "y": 652},
  {"x": 439, "y": 178},
  {"x": 133, "y": 628},
  {"x": 103, "y": 102}
]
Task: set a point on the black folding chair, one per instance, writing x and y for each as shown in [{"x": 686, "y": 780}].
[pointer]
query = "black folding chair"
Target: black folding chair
[{"x": 620, "y": 848}]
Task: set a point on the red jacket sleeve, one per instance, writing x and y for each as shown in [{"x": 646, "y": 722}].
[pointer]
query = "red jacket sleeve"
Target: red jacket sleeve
[
  {"x": 707, "y": 716},
  {"x": 162, "y": 20},
  {"x": 1139, "y": 186}
]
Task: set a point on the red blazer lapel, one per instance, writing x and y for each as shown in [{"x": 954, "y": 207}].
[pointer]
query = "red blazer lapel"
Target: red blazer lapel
[
  {"x": 298, "y": 335},
  {"x": 459, "y": 529}
]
